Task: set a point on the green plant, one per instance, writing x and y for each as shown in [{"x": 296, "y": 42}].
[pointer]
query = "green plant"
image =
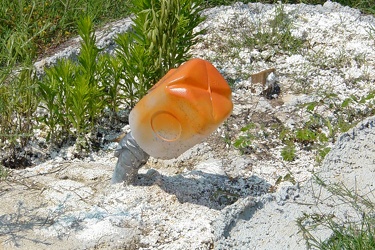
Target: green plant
[
  {"x": 288, "y": 177},
  {"x": 137, "y": 67},
  {"x": 18, "y": 102},
  {"x": 17, "y": 39},
  {"x": 88, "y": 90},
  {"x": 161, "y": 37},
  {"x": 309, "y": 135},
  {"x": 322, "y": 152},
  {"x": 305, "y": 136},
  {"x": 315, "y": 133},
  {"x": 71, "y": 92},
  {"x": 31, "y": 27},
  {"x": 286, "y": 135},
  {"x": 288, "y": 152},
  {"x": 278, "y": 33},
  {"x": 54, "y": 90},
  {"x": 346, "y": 113},
  {"x": 243, "y": 142},
  {"x": 3, "y": 173},
  {"x": 371, "y": 32},
  {"x": 353, "y": 232},
  {"x": 111, "y": 76},
  {"x": 365, "y": 6}
]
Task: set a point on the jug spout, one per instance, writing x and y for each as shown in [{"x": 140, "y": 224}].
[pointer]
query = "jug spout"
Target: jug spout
[{"x": 131, "y": 158}]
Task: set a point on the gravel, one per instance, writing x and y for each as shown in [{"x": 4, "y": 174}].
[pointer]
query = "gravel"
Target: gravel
[{"x": 212, "y": 196}]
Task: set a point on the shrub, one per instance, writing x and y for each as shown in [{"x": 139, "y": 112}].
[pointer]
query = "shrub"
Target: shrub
[
  {"x": 161, "y": 38},
  {"x": 18, "y": 102},
  {"x": 71, "y": 92}
]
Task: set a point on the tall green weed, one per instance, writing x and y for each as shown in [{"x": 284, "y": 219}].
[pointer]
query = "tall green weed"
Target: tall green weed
[
  {"x": 18, "y": 103},
  {"x": 31, "y": 27},
  {"x": 110, "y": 70},
  {"x": 71, "y": 92},
  {"x": 355, "y": 230},
  {"x": 161, "y": 38}
]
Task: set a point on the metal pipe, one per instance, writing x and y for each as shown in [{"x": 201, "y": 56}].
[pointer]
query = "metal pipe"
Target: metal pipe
[{"x": 131, "y": 158}]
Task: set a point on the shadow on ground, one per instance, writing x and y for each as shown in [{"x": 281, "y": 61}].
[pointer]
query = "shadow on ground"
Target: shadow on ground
[
  {"x": 15, "y": 226},
  {"x": 205, "y": 189}
]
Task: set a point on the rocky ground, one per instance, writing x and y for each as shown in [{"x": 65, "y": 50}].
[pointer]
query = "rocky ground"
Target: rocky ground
[{"x": 216, "y": 196}]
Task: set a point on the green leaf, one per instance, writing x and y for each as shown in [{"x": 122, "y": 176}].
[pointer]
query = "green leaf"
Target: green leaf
[
  {"x": 288, "y": 152},
  {"x": 370, "y": 96},
  {"x": 346, "y": 102},
  {"x": 311, "y": 106},
  {"x": 354, "y": 98}
]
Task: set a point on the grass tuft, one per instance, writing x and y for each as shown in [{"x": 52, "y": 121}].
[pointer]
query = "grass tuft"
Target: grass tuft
[{"x": 352, "y": 232}]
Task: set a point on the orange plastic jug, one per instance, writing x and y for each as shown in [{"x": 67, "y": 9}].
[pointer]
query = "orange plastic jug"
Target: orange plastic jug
[{"x": 181, "y": 110}]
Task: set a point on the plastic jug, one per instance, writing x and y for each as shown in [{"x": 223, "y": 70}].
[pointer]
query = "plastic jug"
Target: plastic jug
[{"x": 181, "y": 110}]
